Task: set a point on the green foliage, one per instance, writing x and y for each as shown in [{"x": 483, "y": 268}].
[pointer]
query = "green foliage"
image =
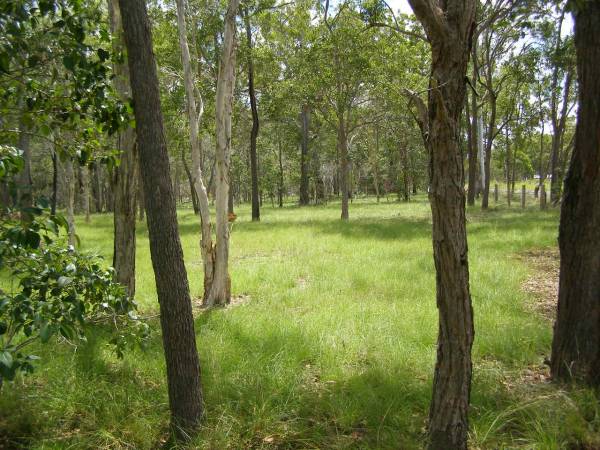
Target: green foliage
[{"x": 54, "y": 290}]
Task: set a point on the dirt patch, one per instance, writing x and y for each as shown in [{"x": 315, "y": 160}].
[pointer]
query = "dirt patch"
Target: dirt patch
[
  {"x": 236, "y": 300},
  {"x": 543, "y": 284}
]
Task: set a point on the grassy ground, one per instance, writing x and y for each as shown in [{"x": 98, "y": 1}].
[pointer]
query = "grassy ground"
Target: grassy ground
[{"x": 333, "y": 346}]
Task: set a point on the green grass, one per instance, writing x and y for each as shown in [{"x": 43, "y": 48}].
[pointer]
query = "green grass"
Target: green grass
[{"x": 334, "y": 349}]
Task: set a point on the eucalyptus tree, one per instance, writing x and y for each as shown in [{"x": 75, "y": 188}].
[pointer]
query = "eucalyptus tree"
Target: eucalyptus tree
[
  {"x": 500, "y": 38},
  {"x": 559, "y": 55},
  {"x": 575, "y": 347},
  {"x": 344, "y": 85},
  {"x": 221, "y": 286},
  {"x": 195, "y": 111}
]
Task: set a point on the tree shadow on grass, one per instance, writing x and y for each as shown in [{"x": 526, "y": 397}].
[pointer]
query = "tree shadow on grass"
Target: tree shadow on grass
[{"x": 273, "y": 388}]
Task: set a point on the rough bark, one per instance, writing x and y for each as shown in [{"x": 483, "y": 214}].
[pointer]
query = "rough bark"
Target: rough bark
[
  {"x": 449, "y": 27},
  {"x": 576, "y": 344},
  {"x": 304, "y": 180},
  {"x": 220, "y": 293},
  {"x": 255, "y": 121},
  {"x": 125, "y": 176},
  {"x": 177, "y": 324},
  {"x": 194, "y": 117}
]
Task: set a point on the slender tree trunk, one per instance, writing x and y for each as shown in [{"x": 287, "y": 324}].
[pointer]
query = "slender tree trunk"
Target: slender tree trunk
[
  {"x": 576, "y": 344},
  {"x": 194, "y": 116},
  {"x": 342, "y": 142},
  {"x": 281, "y": 183},
  {"x": 474, "y": 131},
  {"x": 449, "y": 27},
  {"x": 177, "y": 323},
  {"x": 508, "y": 165},
  {"x": 25, "y": 188},
  {"x": 70, "y": 182},
  {"x": 220, "y": 293},
  {"x": 557, "y": 140},
  {"x": 125, "y": 176},
  {"x": 305, "y": 122},
  {"x": 488, "y": 151},
  {"x": 255, "y": 122},
  {"x": 84, "y": 190},
  {"x": 54, "y": 182}
]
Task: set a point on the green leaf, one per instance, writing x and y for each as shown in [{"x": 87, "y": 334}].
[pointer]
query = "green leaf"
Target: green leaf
[
  {"x": 46, "y": 332},
  {"x": 4, "y": 62},
  {"x": 70, "y": 61},
  {"x": 64, "y": 281},
  {"x": 6, "y": 359},
  {"x": 3, "y": 328}
]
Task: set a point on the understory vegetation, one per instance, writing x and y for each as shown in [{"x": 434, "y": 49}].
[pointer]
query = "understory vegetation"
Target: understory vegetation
[{"x": 328, "y": 343}]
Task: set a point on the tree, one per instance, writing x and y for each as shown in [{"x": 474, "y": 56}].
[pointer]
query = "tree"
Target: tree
[
  {"x": 177, "y": 324},
  {"x": 125, "y": 175},
  {"x": 575, "y": 348},
  {"x": 196, "y": 175},
  {"x": 449, "y": 26},
  {"x": 220, "y": 293},
  {"x": 255, "y": 121}
]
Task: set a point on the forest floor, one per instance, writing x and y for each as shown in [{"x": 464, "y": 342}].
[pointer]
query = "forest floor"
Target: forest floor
[{"x": 331, "y": 344}]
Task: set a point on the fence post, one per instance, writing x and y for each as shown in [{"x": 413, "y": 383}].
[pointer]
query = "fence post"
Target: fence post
[
  {"x": 543, "y": 196},
  {"x": 523, "y": 193},
  {"x": 496, "y": 193}
]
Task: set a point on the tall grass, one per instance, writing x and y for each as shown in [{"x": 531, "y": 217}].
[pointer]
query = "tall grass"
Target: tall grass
[{"x": 332, "y": 347}]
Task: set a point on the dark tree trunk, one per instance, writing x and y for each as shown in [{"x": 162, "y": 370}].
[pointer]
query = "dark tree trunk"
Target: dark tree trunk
[
  {"x": 304, "y": 119},
  {"x": 473, "y": 132},
  {"x": 188, "y": 173},
  {"x": 125, "y": 184},
  {"x": 54, "y": 182},
  {"x": 576, "y": 344},
  {"x": 488, "y": 152},
  {"x": 449, "y": 26},
  {"x": 255, "y": 123},
  {"x": 177, "y": 324}
]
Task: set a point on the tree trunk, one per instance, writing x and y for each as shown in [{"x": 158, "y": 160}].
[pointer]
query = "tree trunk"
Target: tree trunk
[
  {"x": 70, "y": 182},
  {"x": 97, "y": 187},
  {"x": 488, "y": 152},
  {"x": 305, "y": 122},
  {"x": 255, "y": 122},
  {"x": 177, "y": 323},
  {"x": 125, "y": 176},
  {"x": 342, "y": 142},
  {"x": 474, "y": 132},
  {"x": 83, "y": 175},
  {"x": 576, "y": 344},
  {"x": 25, "y": 190},
  {"x": 220, "y": 293},
  {"x": 194, "y": 116},
  {"x": 557, "y": 141},
  {"x": 449, "y": 26},
  {"x": 54, "y": 182},
  {"x": 508, "y": 164},
  {"x": 280, "y": 187}
]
